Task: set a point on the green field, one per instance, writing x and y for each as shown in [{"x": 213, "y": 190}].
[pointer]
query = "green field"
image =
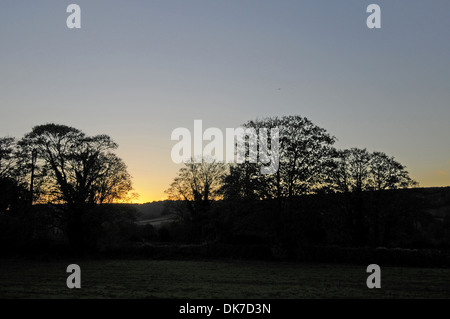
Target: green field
[{"x": 214, "y": 279}]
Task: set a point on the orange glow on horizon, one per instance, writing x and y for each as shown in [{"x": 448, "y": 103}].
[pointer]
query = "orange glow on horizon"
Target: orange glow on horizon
[
  {"x": 148, "y": 200},
  {"x": 151, "y": 184},
  {"x": 155, "y": 198}
]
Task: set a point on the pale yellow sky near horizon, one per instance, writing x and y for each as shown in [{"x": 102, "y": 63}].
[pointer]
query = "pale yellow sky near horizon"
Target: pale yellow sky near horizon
[{"x": 154, "y": 191}]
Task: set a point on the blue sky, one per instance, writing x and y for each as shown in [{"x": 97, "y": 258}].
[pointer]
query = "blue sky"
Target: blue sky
[{"x": 136, "y": 70}]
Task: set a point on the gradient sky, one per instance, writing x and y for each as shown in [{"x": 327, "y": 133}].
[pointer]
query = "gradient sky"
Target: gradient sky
[{"x": 136, "y": 70}]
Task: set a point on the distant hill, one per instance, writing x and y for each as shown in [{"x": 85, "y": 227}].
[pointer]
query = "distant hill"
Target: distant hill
[
  {"x": 151, "y": 210},
  {"x": 437, "y": 199}
]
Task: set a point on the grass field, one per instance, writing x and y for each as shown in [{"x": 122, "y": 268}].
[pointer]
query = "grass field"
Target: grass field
[{"x": 209, "y": 279}]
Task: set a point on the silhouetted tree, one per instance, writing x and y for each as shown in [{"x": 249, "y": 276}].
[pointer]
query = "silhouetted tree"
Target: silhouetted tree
[
  {"x": 304, "y": 150},
  {"x": 196, "y": 185},
  {"x": 352, "y": 170},
  {"x": 12, "y": 191},
  {"x": 357, "y": 170},
  {"x": 192, "y": 193},
  {"x": 387, "y": 173},
  {"x": 244, "y": 182},
  {"x": 79, "y": 169},
  {"x": 75, "y": 169},
  {"x": 7, "y": 159}
]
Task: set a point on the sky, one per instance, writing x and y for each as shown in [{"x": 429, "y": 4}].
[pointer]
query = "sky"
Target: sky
[{"x": 136, "y": 70}]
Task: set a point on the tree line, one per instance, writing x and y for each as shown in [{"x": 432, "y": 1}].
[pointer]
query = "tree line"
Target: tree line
[
  {"x": 308, "y": 164},
  {"x": 319, "y": 195},
  {"x": 59, "y": 185}
]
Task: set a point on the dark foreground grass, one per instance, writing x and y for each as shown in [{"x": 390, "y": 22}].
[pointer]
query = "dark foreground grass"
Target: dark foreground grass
[{"x": 209, "y": 279}]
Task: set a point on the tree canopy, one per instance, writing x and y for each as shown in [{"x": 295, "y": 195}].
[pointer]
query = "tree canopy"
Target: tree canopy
[
  {"x": 74, "y": 168},
  {"x": 356, "y": 170}
]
